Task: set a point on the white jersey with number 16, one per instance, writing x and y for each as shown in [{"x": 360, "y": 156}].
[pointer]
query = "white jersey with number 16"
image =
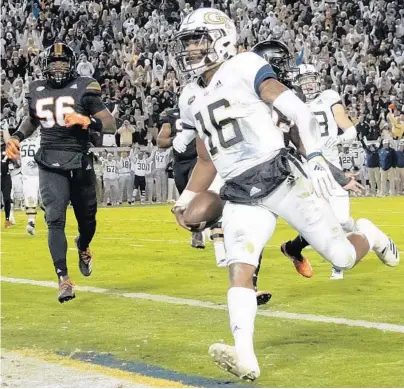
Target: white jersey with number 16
[{"x": 234, "y": 123}]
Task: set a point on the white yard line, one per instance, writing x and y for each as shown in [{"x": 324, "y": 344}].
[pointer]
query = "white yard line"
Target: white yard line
[
  {"x": 26, "y": 372},
  {"x": 131, "y": 238},
  {"x": 205, "y": 304}
]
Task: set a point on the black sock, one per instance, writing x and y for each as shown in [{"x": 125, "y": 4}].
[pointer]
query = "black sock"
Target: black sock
[
  {"x": 296, "y": 246},
  {"x": 60, "y": 267},
  {"x": 7, "y": 209},
  {"x": 255, "y": 276}
]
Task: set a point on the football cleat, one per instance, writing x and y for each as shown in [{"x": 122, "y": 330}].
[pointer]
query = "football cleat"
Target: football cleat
[
  {"x": 389, "y": 254},
  {"x": 263, "y": 297},
  {"x": 227, "y": 359},
  {"x": 337, "y": 274},
  {"x": 66, "y": 290},
  {"x": 31, "y": 228},
  {"x": 302, "y": 266},
  {"x": 85, "y": 260},
  {"x": 197, "y": 240},
  {"x": 7, "y": 224},
  {"x": 384, "y": 247}
]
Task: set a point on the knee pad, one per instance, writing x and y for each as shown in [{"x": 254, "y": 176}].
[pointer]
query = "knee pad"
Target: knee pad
[
  {"x": 348, "y": 225},
  {"x": 342, "y": 254}
]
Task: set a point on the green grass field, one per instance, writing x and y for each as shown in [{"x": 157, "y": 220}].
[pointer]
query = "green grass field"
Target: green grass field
[{"x": 141, "y": 249}]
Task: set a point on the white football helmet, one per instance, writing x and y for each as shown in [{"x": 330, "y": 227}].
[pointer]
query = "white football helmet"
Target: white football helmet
[
  {"x": 309, "y": 81},
  {"x": 207, "y": 37}
]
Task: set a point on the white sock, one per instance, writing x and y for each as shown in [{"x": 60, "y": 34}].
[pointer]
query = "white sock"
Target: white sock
[
  {"x": 242, "y": 304},
  {"x": 376, "y": 238}
]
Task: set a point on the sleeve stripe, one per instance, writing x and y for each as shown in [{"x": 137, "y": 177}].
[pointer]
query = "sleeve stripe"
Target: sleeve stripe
[
  {"x": 263, "y": 74},
  {"x": 94, "y": 86},
  {"x": 186, "y": 126}
]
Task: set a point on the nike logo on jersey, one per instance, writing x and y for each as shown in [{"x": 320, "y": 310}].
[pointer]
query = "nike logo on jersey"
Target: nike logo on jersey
[
  {"x": 56, "y": 164},
  {"x": 254, "y": 190},
  {"x": 40, "y": 88},
  {"x": 74, "y": 86}
]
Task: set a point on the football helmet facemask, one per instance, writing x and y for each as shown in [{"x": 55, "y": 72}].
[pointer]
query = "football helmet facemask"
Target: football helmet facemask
[{"x": 59, "y": 65}]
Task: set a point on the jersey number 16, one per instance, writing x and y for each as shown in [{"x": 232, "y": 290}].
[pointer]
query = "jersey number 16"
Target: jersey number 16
[
  {"x": 56, "y": 111},
  {"x": 238, "y": 136}
]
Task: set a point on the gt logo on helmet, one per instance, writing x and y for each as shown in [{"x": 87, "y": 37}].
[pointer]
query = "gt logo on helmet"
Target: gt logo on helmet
[{"x": 216, "y": 18}]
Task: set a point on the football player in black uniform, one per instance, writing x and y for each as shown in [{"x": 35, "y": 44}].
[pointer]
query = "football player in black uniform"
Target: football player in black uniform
[
  {"x": 65, "y": 105},
  {"x": 170, "y": 124},
  {"x": 6, "y": 183}
]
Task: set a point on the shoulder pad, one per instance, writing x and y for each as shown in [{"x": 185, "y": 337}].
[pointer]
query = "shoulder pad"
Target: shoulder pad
[
  {"x": 33, "y": 85},
  {"x": 331, "y": 97},
  {"x": 90, "y": 83}
]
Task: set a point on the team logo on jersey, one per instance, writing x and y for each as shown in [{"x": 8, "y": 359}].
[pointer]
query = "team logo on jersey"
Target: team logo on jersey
[
  {"x": 216, "y": 18},
  {"x": 40, "y": 88},
  {"x": 191, "y": 100}
]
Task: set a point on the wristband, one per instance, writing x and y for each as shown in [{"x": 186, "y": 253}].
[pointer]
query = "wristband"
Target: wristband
[
  {"x": 185, "y": 198},
  {"x": 18, "y": 135}
]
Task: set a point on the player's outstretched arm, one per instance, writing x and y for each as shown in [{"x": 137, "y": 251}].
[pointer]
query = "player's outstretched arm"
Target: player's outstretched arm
[
  {"x": 204, "y": 171},
  {"x": 108, "y": 121},
  {"x": 273, "y": 92},
  {"x": 164, "y": 139},
  {"x": 27, "y": 128},
  {"x": 345, "y": 124},
  {"x": 202, "y": 177},
  {"x": 283, "y": 99}
]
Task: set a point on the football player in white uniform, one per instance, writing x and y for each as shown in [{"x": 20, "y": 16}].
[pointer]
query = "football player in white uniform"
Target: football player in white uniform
[
  {"x": 330, "y": 114},
  {"x": 359, "y": 163},
  {"x": 227, "y": 106},
  {"x": 30, "y": 178},
  {"x": 346, "y": 159}
]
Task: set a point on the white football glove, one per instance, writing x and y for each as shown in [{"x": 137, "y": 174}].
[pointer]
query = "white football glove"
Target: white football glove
[
  {"x": 321, "y": 177},
  {"x": 179, "y": 145}
]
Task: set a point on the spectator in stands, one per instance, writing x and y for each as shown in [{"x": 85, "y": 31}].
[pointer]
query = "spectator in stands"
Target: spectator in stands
[
  {"x": 400, "y": 168},
  {"x": 388, "y": 163},
  {"x": 373, "y": 167},
  {"x": 85, "y": 68},
  {"x": 126, "y": 134}
]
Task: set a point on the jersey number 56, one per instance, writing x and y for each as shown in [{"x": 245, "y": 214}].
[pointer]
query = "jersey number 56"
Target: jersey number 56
[{"x": 56, "y": 110}]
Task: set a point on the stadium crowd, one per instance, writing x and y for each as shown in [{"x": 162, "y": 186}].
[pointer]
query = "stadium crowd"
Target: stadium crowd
[{"x": 127, "y": 46}]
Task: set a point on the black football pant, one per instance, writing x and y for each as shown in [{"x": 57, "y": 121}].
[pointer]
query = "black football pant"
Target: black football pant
[
  {"x": 6, "y": 186},
  {"x": 57, "y": 189},
  {"x": 182, "y": 172}
]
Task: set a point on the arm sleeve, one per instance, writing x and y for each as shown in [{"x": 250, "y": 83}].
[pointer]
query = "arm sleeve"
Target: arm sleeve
[{"x": 187, "y": 120}]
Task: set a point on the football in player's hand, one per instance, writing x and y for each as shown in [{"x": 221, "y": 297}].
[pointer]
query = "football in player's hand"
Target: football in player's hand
[{"x": 203, "y": 211}]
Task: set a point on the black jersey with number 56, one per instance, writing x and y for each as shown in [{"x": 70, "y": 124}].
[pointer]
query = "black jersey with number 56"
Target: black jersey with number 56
[{"x": 47, "y": 106}]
